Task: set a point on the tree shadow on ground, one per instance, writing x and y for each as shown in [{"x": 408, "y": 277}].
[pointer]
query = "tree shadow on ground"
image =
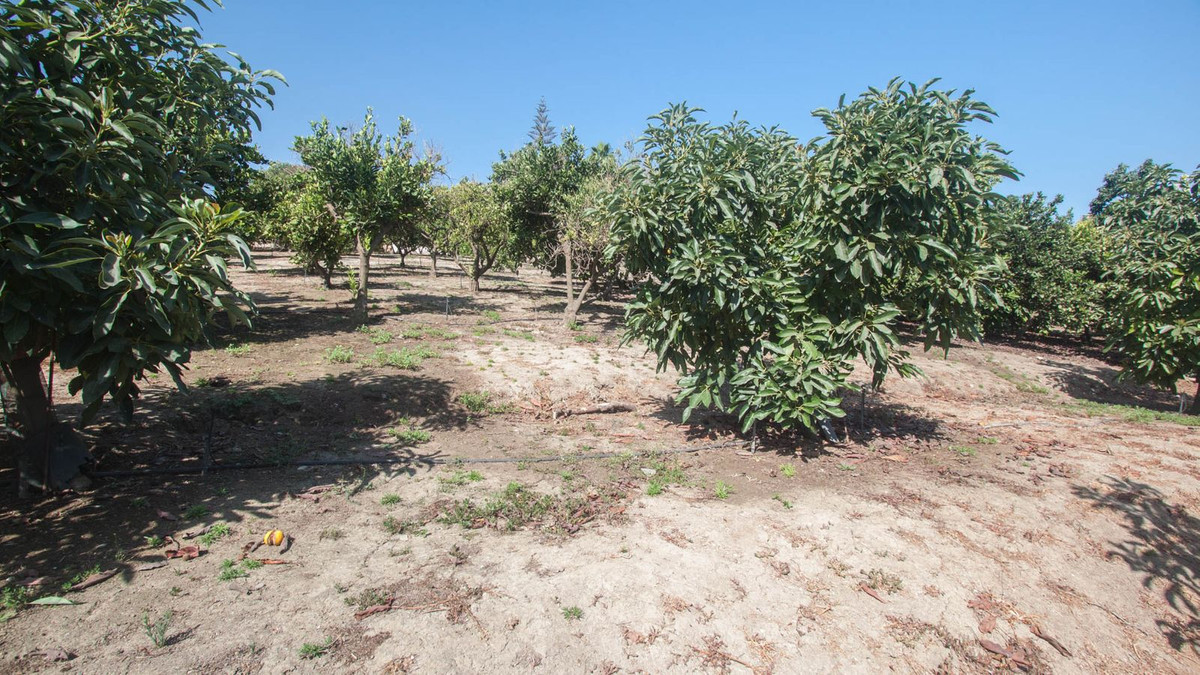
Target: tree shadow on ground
[
  {"x": 456, "y": 305},
  {"x": 188, "y": 455},
  {"x": 1100, "y": 384},
  {"x": 1163, "y": 545},
  {"x": 245, "y": 423},
  {"x": 878, "y": 420}
]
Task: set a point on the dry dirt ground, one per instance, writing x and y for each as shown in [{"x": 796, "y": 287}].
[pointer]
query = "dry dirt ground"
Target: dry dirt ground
[{"x": 996, "y": 514}]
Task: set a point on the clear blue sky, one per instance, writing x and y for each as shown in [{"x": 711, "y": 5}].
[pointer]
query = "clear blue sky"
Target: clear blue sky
[{"x": 1079, "y": 86}]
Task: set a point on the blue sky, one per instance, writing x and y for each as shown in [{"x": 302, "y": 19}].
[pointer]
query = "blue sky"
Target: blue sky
[{"x": 1079, "y": 86}]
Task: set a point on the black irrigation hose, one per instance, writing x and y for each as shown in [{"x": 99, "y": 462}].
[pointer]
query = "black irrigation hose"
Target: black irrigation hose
[{"x": 125, "y": 473}]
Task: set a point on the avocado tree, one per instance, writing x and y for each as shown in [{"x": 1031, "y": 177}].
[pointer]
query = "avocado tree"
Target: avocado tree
[
  {"x": 116, "y": 123},
  {"x": 373, "y": 185},
  {"x": 1054, "y": 270},
  {"x": 480, "y": 234},
  {"x": 1153, "y": 214},
  {"x": 769, "y": 263}
]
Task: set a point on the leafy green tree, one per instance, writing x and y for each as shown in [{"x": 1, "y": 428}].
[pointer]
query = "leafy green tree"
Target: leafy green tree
[
  {"x": 309, "y": 228},
  {"x": 539, "y": 185},
  {"x": 585, "y": 227},
  {"x": 770, "y": 264},
  {"x": 118, "y": 120},
  {"x": 373, "y": 185},
  {"x": 1153, "y": 214},
  {"x": 480, "y": 235},
  {"x": 434, "y": 226},
  {"x": 1053, "y": 277},
  {"x": 264, "y": 196}
]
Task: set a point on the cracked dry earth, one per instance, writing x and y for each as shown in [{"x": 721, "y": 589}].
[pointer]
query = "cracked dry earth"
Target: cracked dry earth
[{"x": 983, "y": 518}]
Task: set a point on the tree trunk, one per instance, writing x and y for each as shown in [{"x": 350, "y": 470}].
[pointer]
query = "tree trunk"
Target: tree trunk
[
  {"x": 1194, "y": 408},
  {"x": 475, "y": 283},
  {"x": 327, "y": 277},
  {"x": 49, "y": 454},
  {"x": 403, "y": 255},
  {"x": 432, "y": 264},
  {"x": 364, "y": 271}
]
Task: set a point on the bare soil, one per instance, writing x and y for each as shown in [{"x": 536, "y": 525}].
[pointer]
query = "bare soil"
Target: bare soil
[{"x": 988, "y": 516}]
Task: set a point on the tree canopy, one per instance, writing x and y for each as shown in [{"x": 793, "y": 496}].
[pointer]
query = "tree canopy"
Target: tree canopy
[{"x": 770, "y": 263}]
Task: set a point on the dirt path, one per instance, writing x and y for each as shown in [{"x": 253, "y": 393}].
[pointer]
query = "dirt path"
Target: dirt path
[{"x": 993, "y": 515}]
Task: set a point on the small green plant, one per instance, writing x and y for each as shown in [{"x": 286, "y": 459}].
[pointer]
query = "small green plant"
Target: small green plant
[
  {"x": 411, "y": 436},
  {"x": 788, "y": 470},
  {"x": 572, "y": 613},
  {"x": 491, "y": 315},
  {"x": 879, "y": 580},
  {"x": 154, "y": 541},
  {"x": 574, "y": 326},
  {"x": 175, "y": 591},
  {"x": 845, "y": 467},
  {"x": 460, "y": 478},
  {"x": 654, "y": 488},
  {"x": 139, "y": 502},
  {"x": 234, "y": 349},
  {"x": 1134, "y": 414},
  {"x": 964, "y": 450},
  {"x": 379, "y": 336},
  {"x": 331, "y": 533},
  {"x": 404, "y": 358},
  {"x": 352, "y": 281},
  {"x": 252, "y": 564},
  {"x": 480, "y": 331},
  {"x": 339, "y": 354},
  {"x": 586, "y": 339},
  {"x": 195, "y": 512},
  {"x": 218, "y": 531},
  {"x": 519, "y": 334},
  {"x": 80, "y": 576},
  {"x": 230, "y": 571},
  {"x": 476, "y": 401},
  {"x": 157, "y": 631},
  {"x": 15, "y": 597},
  {"x": 368, "y": 598},
  {"x": 722, "y": 490},
  {"x": 396, "y": 526},
  {"x": 987, "y": 440},
  {"x": 786, "y": 504},
  {"x": 389, "y": 499},
  {"x": 312, "y": 650}
]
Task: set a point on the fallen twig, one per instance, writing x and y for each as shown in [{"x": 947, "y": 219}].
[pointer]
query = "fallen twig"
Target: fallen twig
[
  {"x": 596, "y": 409},
  {"x": 1037, "y": 630},
  {"x": 93, "y": 580}
]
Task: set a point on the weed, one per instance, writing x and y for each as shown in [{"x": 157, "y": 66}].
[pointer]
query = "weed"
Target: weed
[
  {"x": 1134, "y": 414},
  {"x": 964, "y": 450},
  {"x": 519, "y": 334},
  {"x": 788, "y": 470},
  {"x": 476, "y": 401},
  {"x": 68, "y": 585},
  {"x": 574, "y": 326},
  {"x": 234, "y": 349},
  {"x": 368, "y": 598},
  {"x": 154, "y": 541},
  {"x": 586, "y": 339},
  {"x": 339, "y": 354},
  {"x": 139, "y": 502},
  {"x": 196, "y": 511},
  {"x": 480, "y": 331},
  {"x": 654, "y": 488},
  {"x": 461, "y": 478},
  {"x": 214, "y": 533},
  {"x": 252, "y": 564},
  {"x": 404, "y": 358},
  {"x": 389, "y": 499},
  {"x": 312, "y": 650},
  {"x": 987, "y": 440},
  {"x": 572, "y": 613},
  {"x": 15, "y": 597},
  {"x": 380, "y": 336},
  {"x": 331, "y": 533},
  {"x": 522, "y": 465},
  {"x": 846, "y": 467},
  {"x": 786, "y": 504},
  {"x": 722, "y": 490},
  {"x": 663, "y": 474},
  {"x": 175, "y": 591},
  {"x": 441, "y": 334},
  {"x": 879, "y": 580},
  {"x": 411, "y": 436},
  {"x": 157, "y": 631},
  {"x": 491, "y": 315},
  {"x": 395, "y": 526},
  {"x": 229, "y": 571}
]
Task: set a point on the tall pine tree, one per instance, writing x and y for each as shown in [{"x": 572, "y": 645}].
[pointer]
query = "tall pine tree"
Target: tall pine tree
[{"x": 543, "y": 132}]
